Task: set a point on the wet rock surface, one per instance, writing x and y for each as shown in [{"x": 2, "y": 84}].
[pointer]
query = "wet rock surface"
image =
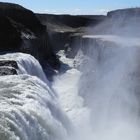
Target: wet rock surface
[
  {"x": 20, "y": 30},
  {"x": 8, "y": 67},
  {"x": 61, "y": 28},
  {"x": 5, "y": 70},
  {"x": 9, "y": 63},
  {"x": 43, "y": 35}
]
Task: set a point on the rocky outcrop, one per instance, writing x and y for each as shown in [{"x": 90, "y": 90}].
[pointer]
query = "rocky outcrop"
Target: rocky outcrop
[
  {"x": 74, "y": 46},
  {"x": 125, "y": 13},
  {"x": 62, "y": 28},
  {"x": 22, "y": 16},
  {"x": 10, "y": 37},
  {"x": 8, "y": 67},
  {"x": 9, "y": 63},
  {"x": 71, "y": 20},
  {"x": 7, "y": 71},
  {"x": 16, "y": 25},
  {"x": 122, "y": 22},
  {"x": 109, "y": 58},
  {"x": 21, "y": 31}
]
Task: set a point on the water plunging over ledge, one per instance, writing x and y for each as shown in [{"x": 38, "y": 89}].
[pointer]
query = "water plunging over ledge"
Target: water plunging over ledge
[
  {"x": 102, "y": 97},
  {"x": 29, "y": 109},
  {"x": 99, "y": 100}
]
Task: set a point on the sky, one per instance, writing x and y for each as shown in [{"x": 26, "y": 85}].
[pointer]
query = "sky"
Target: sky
[{"x": 75, "y": 6}]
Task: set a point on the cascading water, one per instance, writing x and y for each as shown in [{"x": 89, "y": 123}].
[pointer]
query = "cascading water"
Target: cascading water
[
  {"x": 108, "y": 86},
  {"x": 102, "y": 97},
  {"x": 29, "y": 109},
  {"x": 27, "y": 64}
]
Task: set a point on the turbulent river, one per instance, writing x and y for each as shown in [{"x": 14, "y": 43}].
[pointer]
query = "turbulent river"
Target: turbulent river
[
  {"x": 95, "y": 96},
  {"x": 29, "y": 109}
]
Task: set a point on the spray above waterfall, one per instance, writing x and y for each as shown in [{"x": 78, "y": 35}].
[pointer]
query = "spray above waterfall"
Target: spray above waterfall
[
  {"x": 29, "y": 107},
  {"x": 95, "y": 95},
  {"x": 109, "y": 84}
]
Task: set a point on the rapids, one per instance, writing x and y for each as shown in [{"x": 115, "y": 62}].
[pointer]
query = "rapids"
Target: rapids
[{"x": 29, "y": 109}]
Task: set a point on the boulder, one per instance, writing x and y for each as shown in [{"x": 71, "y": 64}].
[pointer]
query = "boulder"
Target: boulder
[
  {"x": 7, "y": 71},
  {"x": 8, "y": 67},
  {"x": 9, "y": 63}
]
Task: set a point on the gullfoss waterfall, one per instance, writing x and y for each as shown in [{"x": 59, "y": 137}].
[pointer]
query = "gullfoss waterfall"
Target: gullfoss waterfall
[
  {"x": 109, "y": 86},
  {"x": 28, "y": 107},
  {"x": 101, "y": 96},
  {"x": 96, "y": 94}
]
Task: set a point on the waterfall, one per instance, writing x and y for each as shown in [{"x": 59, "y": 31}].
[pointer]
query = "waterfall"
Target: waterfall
[
  {"x": 101, "y": 96},
  {"x": 109, "y": 86},
  {"x": 27, "y": 64},
  {"x": 97, "y": 94},
  {"x": 29, "y": 109}
]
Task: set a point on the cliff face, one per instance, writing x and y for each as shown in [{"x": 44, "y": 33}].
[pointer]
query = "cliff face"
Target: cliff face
[
  {"x": 42, "y": 35},
  {"x": 126, "y": 21},
  {"x": 123, "y": 22},
  {"x": 128, "y": 12},
  {"x": 71, "y": 20},
  {"x": 62, "y": 28},
  {"x": 22, "y": 16},
  {"x": 10, "y": 37},
  {"x": 20, "y": 30},
  {"x": 8, "y": 67}
]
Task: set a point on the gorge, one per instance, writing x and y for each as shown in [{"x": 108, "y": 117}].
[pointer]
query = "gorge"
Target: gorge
[{"x": 66, "y": 77}]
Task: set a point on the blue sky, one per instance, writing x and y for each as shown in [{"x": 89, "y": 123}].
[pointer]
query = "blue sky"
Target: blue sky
[{"x": 75, "y": 6}]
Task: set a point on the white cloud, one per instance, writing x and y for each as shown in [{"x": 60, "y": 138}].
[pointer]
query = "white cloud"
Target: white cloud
[{"x": 77, "y": 11}]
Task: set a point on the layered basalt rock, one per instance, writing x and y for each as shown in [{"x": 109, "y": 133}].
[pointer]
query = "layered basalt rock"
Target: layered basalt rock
[
  {"x": 21, "y": 31},
  {"x": 9, "y": 63},
  {"x": 22, "y": 16},
  {"x": 7, "y": 71},
  {"x": 10, "y": 37},
  {"x": 62, "y": 28},
  {"x": 71, "y": 20},
  {"x": 128, "y": 12},
  {"x": 8, "y": 67}
]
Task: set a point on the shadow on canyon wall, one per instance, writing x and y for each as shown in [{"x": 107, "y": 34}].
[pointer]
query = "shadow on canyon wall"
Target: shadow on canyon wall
[{"x": 43, "y": 35}]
